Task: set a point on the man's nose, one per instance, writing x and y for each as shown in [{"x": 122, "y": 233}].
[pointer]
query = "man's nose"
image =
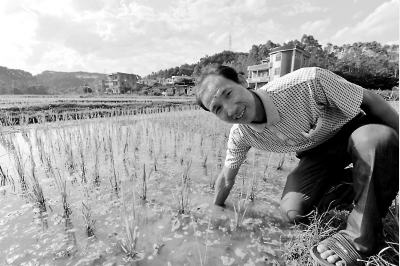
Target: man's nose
[{"x": 230, "y": 110}]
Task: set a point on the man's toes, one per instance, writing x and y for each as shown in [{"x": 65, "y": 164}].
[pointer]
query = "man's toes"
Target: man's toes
[
  {"x": 333, "y": 258},
  {"x": 340, "y": 263},
  {"x": 321, "y": 248},
  {"x": 327, "y": 254}
]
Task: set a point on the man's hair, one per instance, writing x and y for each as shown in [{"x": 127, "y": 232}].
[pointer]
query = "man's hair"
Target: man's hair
[{"x": 215, "y": 69}]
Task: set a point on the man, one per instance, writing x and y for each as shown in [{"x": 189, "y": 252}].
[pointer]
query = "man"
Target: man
[{"x": 330, "y": 123}]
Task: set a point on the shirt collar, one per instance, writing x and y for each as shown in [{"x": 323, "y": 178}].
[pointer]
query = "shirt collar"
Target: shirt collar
[{"x": 270, "y": 110}]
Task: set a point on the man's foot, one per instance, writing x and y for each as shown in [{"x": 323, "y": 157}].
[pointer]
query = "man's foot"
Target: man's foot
[
  {"x": 336, "y": 251},
  {"x": 330, "y": 255}
]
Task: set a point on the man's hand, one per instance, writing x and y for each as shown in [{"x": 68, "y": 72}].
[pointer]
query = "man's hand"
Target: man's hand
[{"x": 224, "y": 184}]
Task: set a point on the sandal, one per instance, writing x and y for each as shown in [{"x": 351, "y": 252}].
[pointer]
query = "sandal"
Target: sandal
[{"x": 342, "y": 247}]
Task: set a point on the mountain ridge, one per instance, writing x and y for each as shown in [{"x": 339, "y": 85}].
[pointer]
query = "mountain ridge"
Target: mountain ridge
[{"x": 17, "y": 81}]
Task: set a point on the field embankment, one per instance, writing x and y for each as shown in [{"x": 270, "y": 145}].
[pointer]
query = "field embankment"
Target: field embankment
[{"x": 30, "y": 109}]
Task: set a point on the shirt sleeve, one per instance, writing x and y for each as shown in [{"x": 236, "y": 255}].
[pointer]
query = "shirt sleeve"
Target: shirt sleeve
[
  {"x": 339, "y": 93},
  {"x": 237, "y": 148}
]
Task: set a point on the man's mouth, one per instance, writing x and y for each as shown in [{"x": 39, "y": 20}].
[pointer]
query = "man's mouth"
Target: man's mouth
[{"x": 241, "y": 114}]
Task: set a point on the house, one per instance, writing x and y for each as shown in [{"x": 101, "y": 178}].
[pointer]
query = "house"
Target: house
[
  {"x": 148, "y": 82},
  {"x": 281, "y": 61},
  {"x": 179, "y": 90},
  {"x": 182, "y": 80},
  {"x": 122, "y": 82},
  {"x": 168, "y": 81},
  {"x": 165, "y": 81},
  {"x": 102, "y": 85}
]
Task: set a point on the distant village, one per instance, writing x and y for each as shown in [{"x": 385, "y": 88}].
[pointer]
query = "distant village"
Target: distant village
[
  {"x": 281, "y": 61},
  {"x": 124, "y": 83}
]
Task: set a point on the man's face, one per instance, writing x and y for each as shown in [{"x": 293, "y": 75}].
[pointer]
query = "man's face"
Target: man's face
[{"x": 229, "y": 101}]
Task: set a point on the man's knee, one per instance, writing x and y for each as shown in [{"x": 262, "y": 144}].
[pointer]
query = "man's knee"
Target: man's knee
[
  {"x": 372, "y": 136},
  {"x": 289, "y": 216},
  {"x": 293, "y": 206}
]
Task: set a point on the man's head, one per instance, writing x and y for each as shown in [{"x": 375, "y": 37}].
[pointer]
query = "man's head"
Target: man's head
[{"x": 221, "y": 90}]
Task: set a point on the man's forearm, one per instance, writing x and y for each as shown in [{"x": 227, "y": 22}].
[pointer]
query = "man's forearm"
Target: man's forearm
[
  {"x": 221, "y": 192},
  {"x": 224, "y": 184}
]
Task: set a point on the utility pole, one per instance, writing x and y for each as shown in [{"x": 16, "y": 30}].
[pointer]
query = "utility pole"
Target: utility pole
[{"x": 230, "y": 42}]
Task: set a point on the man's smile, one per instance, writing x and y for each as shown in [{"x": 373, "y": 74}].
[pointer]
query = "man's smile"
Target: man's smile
[{"x": 241, "y": 114}]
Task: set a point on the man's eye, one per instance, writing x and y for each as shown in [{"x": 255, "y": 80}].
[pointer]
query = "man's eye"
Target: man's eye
[
  {"x": 217, "y": 110},
  {"x": 229, "y": 93}
]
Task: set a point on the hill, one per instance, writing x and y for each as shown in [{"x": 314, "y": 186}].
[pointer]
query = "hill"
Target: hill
[
  {"x": 16, "y": 81},
  {"x": 68, "y": 82}
]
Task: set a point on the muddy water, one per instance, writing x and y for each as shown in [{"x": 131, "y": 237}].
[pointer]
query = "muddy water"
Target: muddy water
[{"x": 161, "y": 147}]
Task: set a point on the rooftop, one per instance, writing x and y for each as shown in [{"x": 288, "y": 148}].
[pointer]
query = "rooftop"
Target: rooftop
[{"x": 288, "y": 47}]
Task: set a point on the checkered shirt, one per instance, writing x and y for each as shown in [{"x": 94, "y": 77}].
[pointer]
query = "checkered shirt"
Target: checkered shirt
[{"x": 313, "y": 105}]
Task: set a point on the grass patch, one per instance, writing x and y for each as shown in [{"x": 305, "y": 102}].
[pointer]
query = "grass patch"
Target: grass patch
[{"x": 296, "y": 248}]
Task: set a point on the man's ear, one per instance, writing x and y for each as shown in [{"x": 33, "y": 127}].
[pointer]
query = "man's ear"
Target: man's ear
[{"x": 243, "y": 81}]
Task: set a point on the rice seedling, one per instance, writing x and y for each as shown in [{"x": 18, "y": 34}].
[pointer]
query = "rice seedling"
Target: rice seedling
[
  {"x": 241, "y": 205},
  {"x": 211, "y": 178},
  {"x": 5, "y": 179},
  {"x": 125, "y": 162},
  {"x": 266, "y": 171},
  {"x": 61, "y": 185},
  {"x": 40, "y": 146},
  {"x": 82, "y": 163},
  {"x": 254, "y": 180},
  {"x": 203, "y": 262},
  {"x": 116, "y": 182},
  {"x": 158, "y": 147},
  {"x": 68, "y": 150},
  {"x": 96, "y": 167},
  {"x": 131, "y": 219},
  {"x": 204, "y": 159},
  {"x": 183, "y": 190},
  {"x": 87, "y": 219},
  {"x": 44, "y": 156},
  {"x": 36, "y": 192},
  {"x": 142, "y": 188},
  {"x": 281, "y": 161},
  {"x": 19, "y": 163},
  {"x": 219, "y": 159}
]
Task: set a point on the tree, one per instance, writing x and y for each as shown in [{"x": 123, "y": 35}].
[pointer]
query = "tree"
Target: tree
[
  {"x": 196, "y": 72},
  {"x": 87, "y": 89},
  {"x": 317, "y": 53},
  {"x": 253, "y": 58}
]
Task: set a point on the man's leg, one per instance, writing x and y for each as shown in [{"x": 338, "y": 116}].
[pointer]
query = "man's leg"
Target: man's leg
[
  {"x": 374, "y": 151},
  {"x": 308, "y": 183}
]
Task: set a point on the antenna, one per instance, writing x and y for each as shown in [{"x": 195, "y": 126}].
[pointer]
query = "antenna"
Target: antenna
[{"x": 230, "y": 42}]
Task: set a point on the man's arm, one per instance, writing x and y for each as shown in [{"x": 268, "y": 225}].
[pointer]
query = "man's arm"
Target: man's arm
[
  {"x": 376, "y": 106},
  {"x": 224, "y": 184}
]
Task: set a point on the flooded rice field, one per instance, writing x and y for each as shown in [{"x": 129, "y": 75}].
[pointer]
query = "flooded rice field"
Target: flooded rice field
[{"x": 136, "y": 190}]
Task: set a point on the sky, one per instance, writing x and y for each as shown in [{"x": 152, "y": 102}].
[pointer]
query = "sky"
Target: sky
[{"x": 144, "y": 36}]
